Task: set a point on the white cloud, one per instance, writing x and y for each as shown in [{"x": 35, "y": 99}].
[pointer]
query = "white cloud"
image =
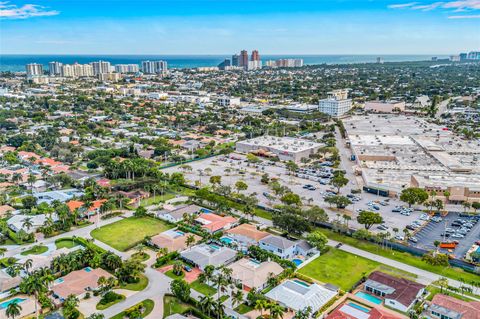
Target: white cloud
[
  {"x": 12, "y": 11},
  {"x": 402, "y": 5},
  {"x": 448, "y": 6},
  {"x": 473, "y": 16}
]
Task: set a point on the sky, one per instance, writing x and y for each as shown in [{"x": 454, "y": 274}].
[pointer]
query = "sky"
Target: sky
[{"x": 226, "y": 26}]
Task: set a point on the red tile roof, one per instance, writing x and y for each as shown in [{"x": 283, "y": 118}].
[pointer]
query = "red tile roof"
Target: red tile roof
[
  {"x": 405, "y": 292},
  {"x": 469, "y": 310}
]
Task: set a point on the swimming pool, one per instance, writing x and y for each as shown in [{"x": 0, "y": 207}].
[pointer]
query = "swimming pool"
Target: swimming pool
[
  {"x": 357, "y": 306},
  {"x": 5, "y": 304},
  {"x": 301, "y": 283},
  {"x": 226, "y": 240},
  {"x": 213, "y": 246},
  {"x": 368, "y": 297},
  {"x": 205, "y": 211},
  {"x": 88, "y": 269},
  {"x": 58, "y": 281},
  {"x": 297, "y": 261}
]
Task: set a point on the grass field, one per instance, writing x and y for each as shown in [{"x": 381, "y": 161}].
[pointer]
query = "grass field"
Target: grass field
[
  {"x": 172, "y": 305},
  {"x": 450, "y": 272},
  {"x": 203, "y": 288},
  {"x": 35, "y": 250},
  {"x": 65, "y": 243},
  {"x": 344, "y": 269},
  {"x": 137, "y": 286},
  {"x": 128, "y": 232},
  {"x": 107, "y": 305}
]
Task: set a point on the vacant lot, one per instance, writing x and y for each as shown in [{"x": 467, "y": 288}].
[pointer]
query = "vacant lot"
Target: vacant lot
[
  {"x": 344, "y": 269},
  {"x": 128, "y": 232}
]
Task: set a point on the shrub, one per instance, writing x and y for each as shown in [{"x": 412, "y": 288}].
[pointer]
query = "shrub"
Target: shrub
[{"x": 109, "y": 297}]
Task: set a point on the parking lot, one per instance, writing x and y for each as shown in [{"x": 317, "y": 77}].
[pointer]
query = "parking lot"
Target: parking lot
[
  {"x": 233, "y": 170},
  {"x": 434, "y": 231}
]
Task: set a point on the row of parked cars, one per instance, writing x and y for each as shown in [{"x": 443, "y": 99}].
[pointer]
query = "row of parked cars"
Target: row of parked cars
[
  {"x": 459, "y": 228},
  {"x": 322, "y": 175},
  {"x": 407, "y": 211}
]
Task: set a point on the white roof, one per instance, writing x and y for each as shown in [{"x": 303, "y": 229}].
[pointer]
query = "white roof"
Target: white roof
[
  {"x": 16, "y": 221},
  {"x": 298, "y": 296}
]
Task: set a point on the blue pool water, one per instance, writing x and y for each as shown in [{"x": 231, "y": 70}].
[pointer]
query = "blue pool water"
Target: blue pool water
[
  {"x": 88, "y": 269},
  {"x": 357, "y": 306},
  {"x": 5, "y": 304},
  {"x": 214, "y": 246},
  {"x": 226, "y": 240},
  {"x": 206, "y": 211},
  {"x": 301, "y": 283},
  {"x": 59, "y": 281},
  {"x": 297, "y": 262},
  {"x": 368, "y": 297}
]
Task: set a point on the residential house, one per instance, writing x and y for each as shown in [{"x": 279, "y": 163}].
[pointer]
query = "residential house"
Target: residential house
[
  {"x": 352, "y": 310},
  {"x": 254, "y": 274},
  {"x": 246, "y": 234},
  {"x": 176, "y": 215},
  {"x": 280, "y": 246},
  {"x": 7, "y": 282},
  {"x": 447, "y": 307},
  {"x": 16, "y": 222},
  {"x": 213, "y": 223},
  {"x": 398, "y": 293},
  {"x": 78, "y": 283},
  {"x": 208, "y": 254},
  {"x": 173, "y": 240},
  {"x": 298, "y": 295},
  {"x": 5, "y": 209}
]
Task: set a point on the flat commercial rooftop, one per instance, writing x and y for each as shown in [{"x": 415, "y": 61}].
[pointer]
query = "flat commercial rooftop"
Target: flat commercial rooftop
[
  {"x": 289, "y": 144},
  {"x": 390, "y": 149}
]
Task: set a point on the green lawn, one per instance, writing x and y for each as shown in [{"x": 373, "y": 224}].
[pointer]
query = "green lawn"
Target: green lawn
[
  {"x": 158, "y": 199},
  {"x": 35, "y": 250},
  {"x": 128, "y": 232},
  {"x": 148, "y": 305},
  {"x": 339, "y": 268},
  {"x": 174, "y": 276},
  {"x": 105, "y": 306},
  {"x": 436, "y": 290},
  {"x": 243, "y": 309},
  {"x": 203, "y": 288},
  {"x": 172, "y": 305},
  {"x": 65, "y": 243},
  {"x": 141, "y": 257},
  {"x": 137, "y": 286},
  {"x": 451, "y": 272}
]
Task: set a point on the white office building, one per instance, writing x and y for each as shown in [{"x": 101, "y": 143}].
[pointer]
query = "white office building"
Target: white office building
[
  {"x": 228, "y": 101},
  {"x": 34, "y": 69},
  {"x": 336, "y": 104},
  {"x": 154, "y": 67}
]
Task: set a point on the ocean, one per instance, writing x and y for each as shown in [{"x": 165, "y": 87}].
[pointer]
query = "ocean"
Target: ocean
[{"x": 16, "y": 63}]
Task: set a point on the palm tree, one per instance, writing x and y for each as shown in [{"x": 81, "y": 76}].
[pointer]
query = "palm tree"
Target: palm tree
[
  {"x": 27, "y": 223},
  {"x": 237, "y": 298},
  {"x": 13, "y": 310},
  {"x": 162, "y": 252},
  {"x": 177, "y": 268},
  {"x": 276, "y": 311},
  {"x": 219, "y": 309},
  {"x": 2, "y": 251},
  {"x": 206, "y": 304},
  {"x": 190, "y": 240},
  {"x": 261, "y": 305},
  {"x": 35, "y": 284}
]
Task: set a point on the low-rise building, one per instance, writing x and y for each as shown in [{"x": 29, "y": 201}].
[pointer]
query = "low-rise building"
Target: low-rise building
[
  {"x": 298, "y": 295},
  {"x": 177, "y": 214},
  {"x": 385, "y": 106},
  {"x": 254, "y": 274},
  {"x": 213, "y": 223},
  {"x": 208, "y": 254},
  {"x": 447, "y": 307},
  {"x": 78, "y": 283},
  {"x": 246, "y": 234},
  {"x": 398, "y": 293},
  {"x": 286, "y": 148},
  {"x": 173, "y": 240}
]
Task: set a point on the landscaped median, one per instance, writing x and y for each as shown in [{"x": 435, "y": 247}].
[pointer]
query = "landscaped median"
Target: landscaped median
[
  {"x": 126, "y": 233},
  {"x": 140, "y": 310},
  {"x": 35, "y": 250}
]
